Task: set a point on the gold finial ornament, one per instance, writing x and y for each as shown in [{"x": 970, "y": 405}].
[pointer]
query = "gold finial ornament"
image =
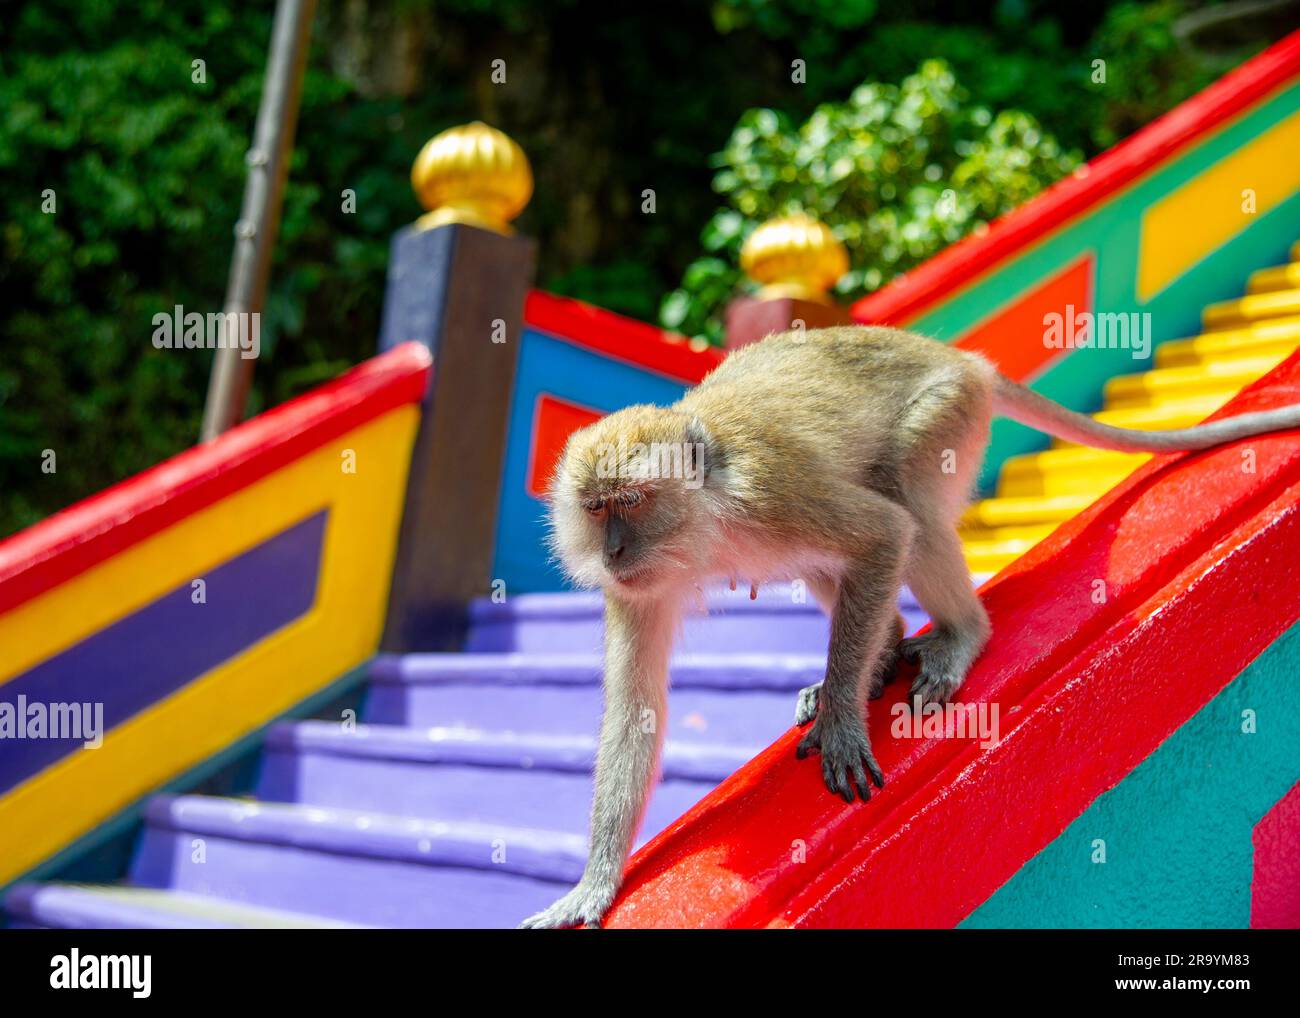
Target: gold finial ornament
[
  {"x": 794, "y": 256},
  {"x": 473, "y": 174}
]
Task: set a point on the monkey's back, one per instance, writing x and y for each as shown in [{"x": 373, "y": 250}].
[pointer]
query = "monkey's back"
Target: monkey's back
[{"x": 838, "y": 395}]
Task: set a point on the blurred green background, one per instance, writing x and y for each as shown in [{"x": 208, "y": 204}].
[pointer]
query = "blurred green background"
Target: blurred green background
[{"x": 899, "y": 103}]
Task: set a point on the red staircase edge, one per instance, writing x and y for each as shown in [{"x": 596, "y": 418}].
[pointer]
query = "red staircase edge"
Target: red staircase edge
[{"x": 1196, "y": 556}]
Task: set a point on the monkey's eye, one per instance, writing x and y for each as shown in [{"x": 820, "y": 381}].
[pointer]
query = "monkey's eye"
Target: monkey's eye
[
  {"x": 631, "y": 498},
  {"x": 594, "y": 506}
]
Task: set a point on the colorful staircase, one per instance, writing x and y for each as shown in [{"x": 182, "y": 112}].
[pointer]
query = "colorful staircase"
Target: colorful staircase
[
  {"x": 1243, "y": 340},
  {"x": 462, "y": 798}
]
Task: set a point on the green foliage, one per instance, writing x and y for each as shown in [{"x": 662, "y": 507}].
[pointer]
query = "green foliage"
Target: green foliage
[{"x": 897, "y": 172}]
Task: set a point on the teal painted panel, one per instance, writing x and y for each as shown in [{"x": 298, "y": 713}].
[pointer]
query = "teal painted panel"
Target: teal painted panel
[{"x": 1177, "y": 830}]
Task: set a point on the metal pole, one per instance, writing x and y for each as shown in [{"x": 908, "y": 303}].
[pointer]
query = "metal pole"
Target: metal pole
[{"x": 259, "y": 218}]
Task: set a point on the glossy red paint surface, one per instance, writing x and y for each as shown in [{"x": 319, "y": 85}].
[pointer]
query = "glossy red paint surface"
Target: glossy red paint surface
[
  {"x": 958, "y": 266},
  {"x": 624, "y": 339},
  {"x": 1106, "y": 637},
  {"x": 44, "y": 555}
]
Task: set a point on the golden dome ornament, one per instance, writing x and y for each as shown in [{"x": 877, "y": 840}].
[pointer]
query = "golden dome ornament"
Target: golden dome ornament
[
  {"x": 473, "y": 174},
  {"x": 794, "y": 256}
]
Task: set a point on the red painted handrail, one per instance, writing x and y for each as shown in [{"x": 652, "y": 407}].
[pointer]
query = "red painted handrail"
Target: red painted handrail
[
  {"x": 1196, "y": 556},
  {"x": 624, "y": 339},
  {"x": 46, "y": 554},
  {"x": 903, "y": 299}
]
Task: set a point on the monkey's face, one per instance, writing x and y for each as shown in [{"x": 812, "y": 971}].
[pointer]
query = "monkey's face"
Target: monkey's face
[{"x": 628, "y": 507}]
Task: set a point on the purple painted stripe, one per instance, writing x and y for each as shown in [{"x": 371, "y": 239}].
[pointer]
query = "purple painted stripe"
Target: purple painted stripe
[
  {"x": 690, "y": 761},
  {"x": 551, "y": 855},
  {"x": 137, "y": 661},
  {"x": 774, "y": 671}
]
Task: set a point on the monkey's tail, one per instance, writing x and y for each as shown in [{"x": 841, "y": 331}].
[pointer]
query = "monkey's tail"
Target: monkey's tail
[{"x": 1022, "y": 404}]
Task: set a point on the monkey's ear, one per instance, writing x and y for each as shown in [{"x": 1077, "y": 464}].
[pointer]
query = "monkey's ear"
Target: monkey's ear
[{"x": 702, "y": 453}]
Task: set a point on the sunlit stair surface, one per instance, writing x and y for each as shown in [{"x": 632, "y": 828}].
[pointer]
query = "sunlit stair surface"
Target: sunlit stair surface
[
  {"x": 1243, "y": 340},
  {"x": 460, "y": 796}
]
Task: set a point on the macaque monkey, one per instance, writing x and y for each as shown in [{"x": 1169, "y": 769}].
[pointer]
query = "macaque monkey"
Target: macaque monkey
[{"x": 840, "y": 456}]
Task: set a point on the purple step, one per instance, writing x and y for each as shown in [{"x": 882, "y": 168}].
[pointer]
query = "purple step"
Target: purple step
[
  {"x": 738, "y": 699},
  {"x": 782, "y": 618},
  {"x": 355, "y": 866},
  {"x": 89, "y": 907},
  {"x": 529, "y": 782}
]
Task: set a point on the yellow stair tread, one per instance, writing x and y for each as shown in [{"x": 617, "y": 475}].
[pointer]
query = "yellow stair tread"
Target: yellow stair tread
[
  {"x": 1273, "y": 333},
  {"x": 1076, "y": 458},
  {"x": 1279, "y": 277},
  {"x": 996, "y": 535},
  {"x": 1197, "y": 352},
  {"x": 1253, "y": 308},
  {"x": 1209, "y": 379},
  {"x": 989, "y": 513}
]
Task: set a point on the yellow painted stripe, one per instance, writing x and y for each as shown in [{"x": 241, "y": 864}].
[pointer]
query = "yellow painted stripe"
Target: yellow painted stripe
[
  {"x": 71, "y": 797},
  {"x": 1190, "y": 222}
]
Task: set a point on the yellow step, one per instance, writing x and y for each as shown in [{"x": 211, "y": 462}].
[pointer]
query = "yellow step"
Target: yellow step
[
  {"x": 986, "y": 535},
  {"x": 990, "y": 556},
  {"x": 1279, "y": 277},
  {"x": 1072, "y": 470},
  {"x": 989, "y": 513},
  {"x": 1281, "y": 335},
  {"x": 1254, "y": 308},
  {"x": 1163, "y": 385}
]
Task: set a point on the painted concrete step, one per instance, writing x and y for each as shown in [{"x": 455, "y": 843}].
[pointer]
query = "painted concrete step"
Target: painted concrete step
[
  {"x": 1255, "y": 307},
  {"x": 1279, "y": 277},
  {"x": 1024, "y": 510},
  {"x": 113, "y": 907},
  {"x": 356, "y": 866},
  {"x": 493, "y": 779},
  {"x": 1167, "y": 385},
  {"x": 978, "y": 536},
  {"x": 784, "y": 617},
  {"x": 1069, "y": 470},
  {"x": 744, "y": 699},
  {"x": 1277, "y": 336}
]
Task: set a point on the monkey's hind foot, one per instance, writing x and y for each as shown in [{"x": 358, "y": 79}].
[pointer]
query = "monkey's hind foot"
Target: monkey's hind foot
[
  {"x": 846, "y": 756},
  {"x": 583, "y": 906},
  {"x": 806, "y": 707},
  {"x": 944, "y": 656}
]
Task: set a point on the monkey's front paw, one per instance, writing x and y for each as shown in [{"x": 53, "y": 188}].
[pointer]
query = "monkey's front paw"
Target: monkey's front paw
[
  {"x": 806, "y": 709},
  {"x": 583, "y": 906},
  {"x": 941, "y": 674},
  {"x": 846, "y": 756}
]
